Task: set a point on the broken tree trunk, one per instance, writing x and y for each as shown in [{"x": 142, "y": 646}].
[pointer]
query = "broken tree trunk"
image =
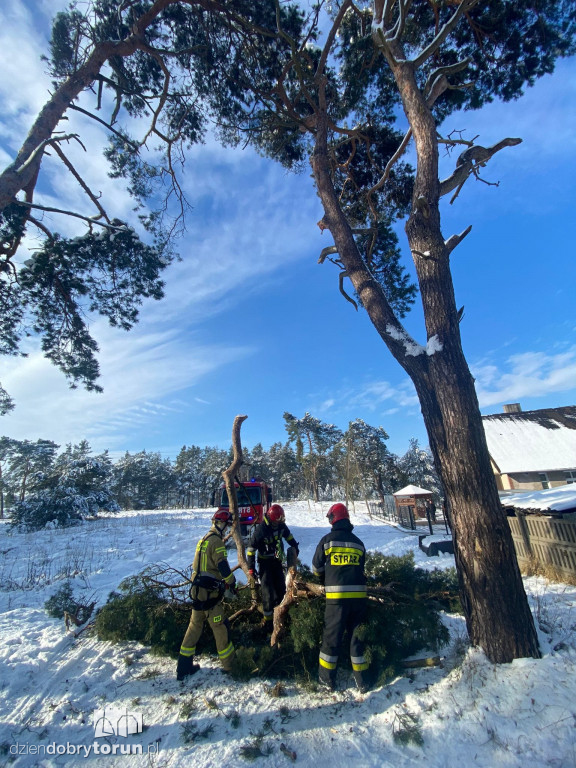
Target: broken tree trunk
[
  {"x": 228, "y": 475},
  {"x": 281, "y": 611},
  {"x": 306, "y": 590}
]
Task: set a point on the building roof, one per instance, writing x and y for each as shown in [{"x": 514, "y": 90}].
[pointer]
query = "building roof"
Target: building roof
[
  {"x": 560, "y": 499},
  {"x": 532, "y": 441},
  {"x": 412, "y": 490}
]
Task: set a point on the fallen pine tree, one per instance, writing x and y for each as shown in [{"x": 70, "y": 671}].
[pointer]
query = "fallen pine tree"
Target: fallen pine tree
[{"x": 403, "y": 618}]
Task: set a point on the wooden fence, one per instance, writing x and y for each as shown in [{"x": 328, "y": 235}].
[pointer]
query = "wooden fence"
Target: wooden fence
[
  {"x": 546, "y": 541},
  {"x": 538, "y": 539},
  {"x": 384, "y": 510}
]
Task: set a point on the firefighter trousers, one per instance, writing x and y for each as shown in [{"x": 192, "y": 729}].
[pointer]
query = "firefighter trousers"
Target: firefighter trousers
[
  {"x": 342, "y": 616},
  {"x": 220, "y": 629},
  {"x": 272, "y": 585}
]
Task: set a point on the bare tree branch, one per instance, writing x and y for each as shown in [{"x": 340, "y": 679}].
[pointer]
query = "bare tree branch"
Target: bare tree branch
[
  {"x": 441, "y": 72},
  {"x": 110, "y": 127},
  {"x": 390, "y": 164},
  {"x": 451, "y": 142},
  {"x": 341, "y": 277},
  {"x": 326, "y": 252},
  {"x": 82, "y": 183},
  {"x": 455, "y": 240},
  {"x": 31, "y": 163},
  {"x": 330, "y": 39},
  {"x": 281, "y": 611},
  {"x": 383, "y": 45},
  {"x": 41, "y": 227},
  {"x": 470, "y": 160},
  {"x": 165, "y": 90},
  {"x": 89, "y": 219},
  {"x": 431, "y": 49},
  {"x": 403, "y": 8}
]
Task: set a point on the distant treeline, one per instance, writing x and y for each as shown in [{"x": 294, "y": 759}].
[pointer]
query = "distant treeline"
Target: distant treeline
[{"x": 317, "y": 461}]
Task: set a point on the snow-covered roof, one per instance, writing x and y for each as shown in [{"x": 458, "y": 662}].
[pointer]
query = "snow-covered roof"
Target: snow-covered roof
[
  {"x": 412, "y": 490},
  {"x": 561, "y": 499},
  {"x": 532, "y": 441}
]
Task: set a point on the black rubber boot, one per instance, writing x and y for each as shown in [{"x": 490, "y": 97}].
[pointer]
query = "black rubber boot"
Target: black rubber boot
[
  {"x": 327, "y": 678},
  {"x": 362, "y": 682},
  {"x": 186, "y": 667}
]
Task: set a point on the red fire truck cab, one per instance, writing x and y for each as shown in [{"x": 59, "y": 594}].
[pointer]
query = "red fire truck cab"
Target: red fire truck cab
[{"x": 254, "y": 500}]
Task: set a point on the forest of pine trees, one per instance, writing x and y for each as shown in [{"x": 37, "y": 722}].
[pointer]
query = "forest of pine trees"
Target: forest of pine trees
[{"x": 317, "y": 461}]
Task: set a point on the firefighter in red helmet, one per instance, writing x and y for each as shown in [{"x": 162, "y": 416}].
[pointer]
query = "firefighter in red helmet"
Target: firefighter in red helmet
[
  {"x": 339, "y": 562},
  {"x": 211, "y": 577},
  {"x": 266, "y": 541}
]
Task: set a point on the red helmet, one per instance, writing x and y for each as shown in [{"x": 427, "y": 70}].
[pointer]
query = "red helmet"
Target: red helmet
[
  {"x": 222, "y": 516},
  {"x": 337, "y": 512},
  {"x": 275, "y": 514}
]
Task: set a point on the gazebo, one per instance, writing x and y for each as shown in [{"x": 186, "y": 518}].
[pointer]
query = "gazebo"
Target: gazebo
[{"x": 411, "y": 505}]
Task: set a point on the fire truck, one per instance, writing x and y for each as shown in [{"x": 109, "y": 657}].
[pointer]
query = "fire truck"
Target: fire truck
[{"x": 254, "y": 500}]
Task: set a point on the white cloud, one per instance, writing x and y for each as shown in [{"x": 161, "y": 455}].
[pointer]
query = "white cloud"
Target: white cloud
[
  {"x": 21, "y": 47},
  {"x": 371, "y": 397},
  {"x": 248, "y": 220},
  {"x": 138, "y": 371},
  {"x": 524, "y": 375},
  {"x": 528, "y": 374},
  {"x": 237, "y": 239},
  {"x": 374, "y": 395},
  {"x": 543, "y": 118},
  {"x": 231, "y": 251}
]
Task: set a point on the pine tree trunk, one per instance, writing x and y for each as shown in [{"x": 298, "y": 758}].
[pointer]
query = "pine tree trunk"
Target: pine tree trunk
[
  {"x": 494, "y": 601},
  {"x": 497, "y": 614},
  {"x": 380, "y": 490}
]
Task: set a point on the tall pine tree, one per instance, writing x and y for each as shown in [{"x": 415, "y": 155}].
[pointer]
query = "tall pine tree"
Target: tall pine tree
[{"x": 337, "y": 104}]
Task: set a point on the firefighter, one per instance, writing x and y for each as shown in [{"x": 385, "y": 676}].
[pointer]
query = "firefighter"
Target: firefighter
[
  {"x": 211, "y": 577},
  {"x": 339, "y": 563},
  {"x": 266, "y": 540}
]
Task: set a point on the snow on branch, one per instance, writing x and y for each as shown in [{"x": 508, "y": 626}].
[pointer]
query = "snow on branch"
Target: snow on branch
[
  {"x": 412, "y": 348},
  {"x": 433, "y": 345}
]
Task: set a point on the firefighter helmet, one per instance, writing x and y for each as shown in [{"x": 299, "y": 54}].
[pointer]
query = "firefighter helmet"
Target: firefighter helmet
[
  {"x": 275, "y": 515},
  {"x": 222, "y": 519},
  {"x": 337, "y": 512}
]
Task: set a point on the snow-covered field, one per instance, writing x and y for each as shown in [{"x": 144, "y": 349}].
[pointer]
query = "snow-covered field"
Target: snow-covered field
[{"x": 468, "y": 712}]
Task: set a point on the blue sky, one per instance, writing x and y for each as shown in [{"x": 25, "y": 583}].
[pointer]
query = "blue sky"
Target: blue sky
[{"x": 252, "y": 324}]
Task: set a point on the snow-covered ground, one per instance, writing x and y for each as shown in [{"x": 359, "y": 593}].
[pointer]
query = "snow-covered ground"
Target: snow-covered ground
[{"x": 467, "y": 712}]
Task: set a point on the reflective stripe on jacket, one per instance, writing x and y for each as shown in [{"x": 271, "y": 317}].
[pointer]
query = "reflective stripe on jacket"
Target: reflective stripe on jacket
[
  {"x": 268, "y": 543},
  {"x": 211, "y": 558},
  {"x": 340, "y": 558}
]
